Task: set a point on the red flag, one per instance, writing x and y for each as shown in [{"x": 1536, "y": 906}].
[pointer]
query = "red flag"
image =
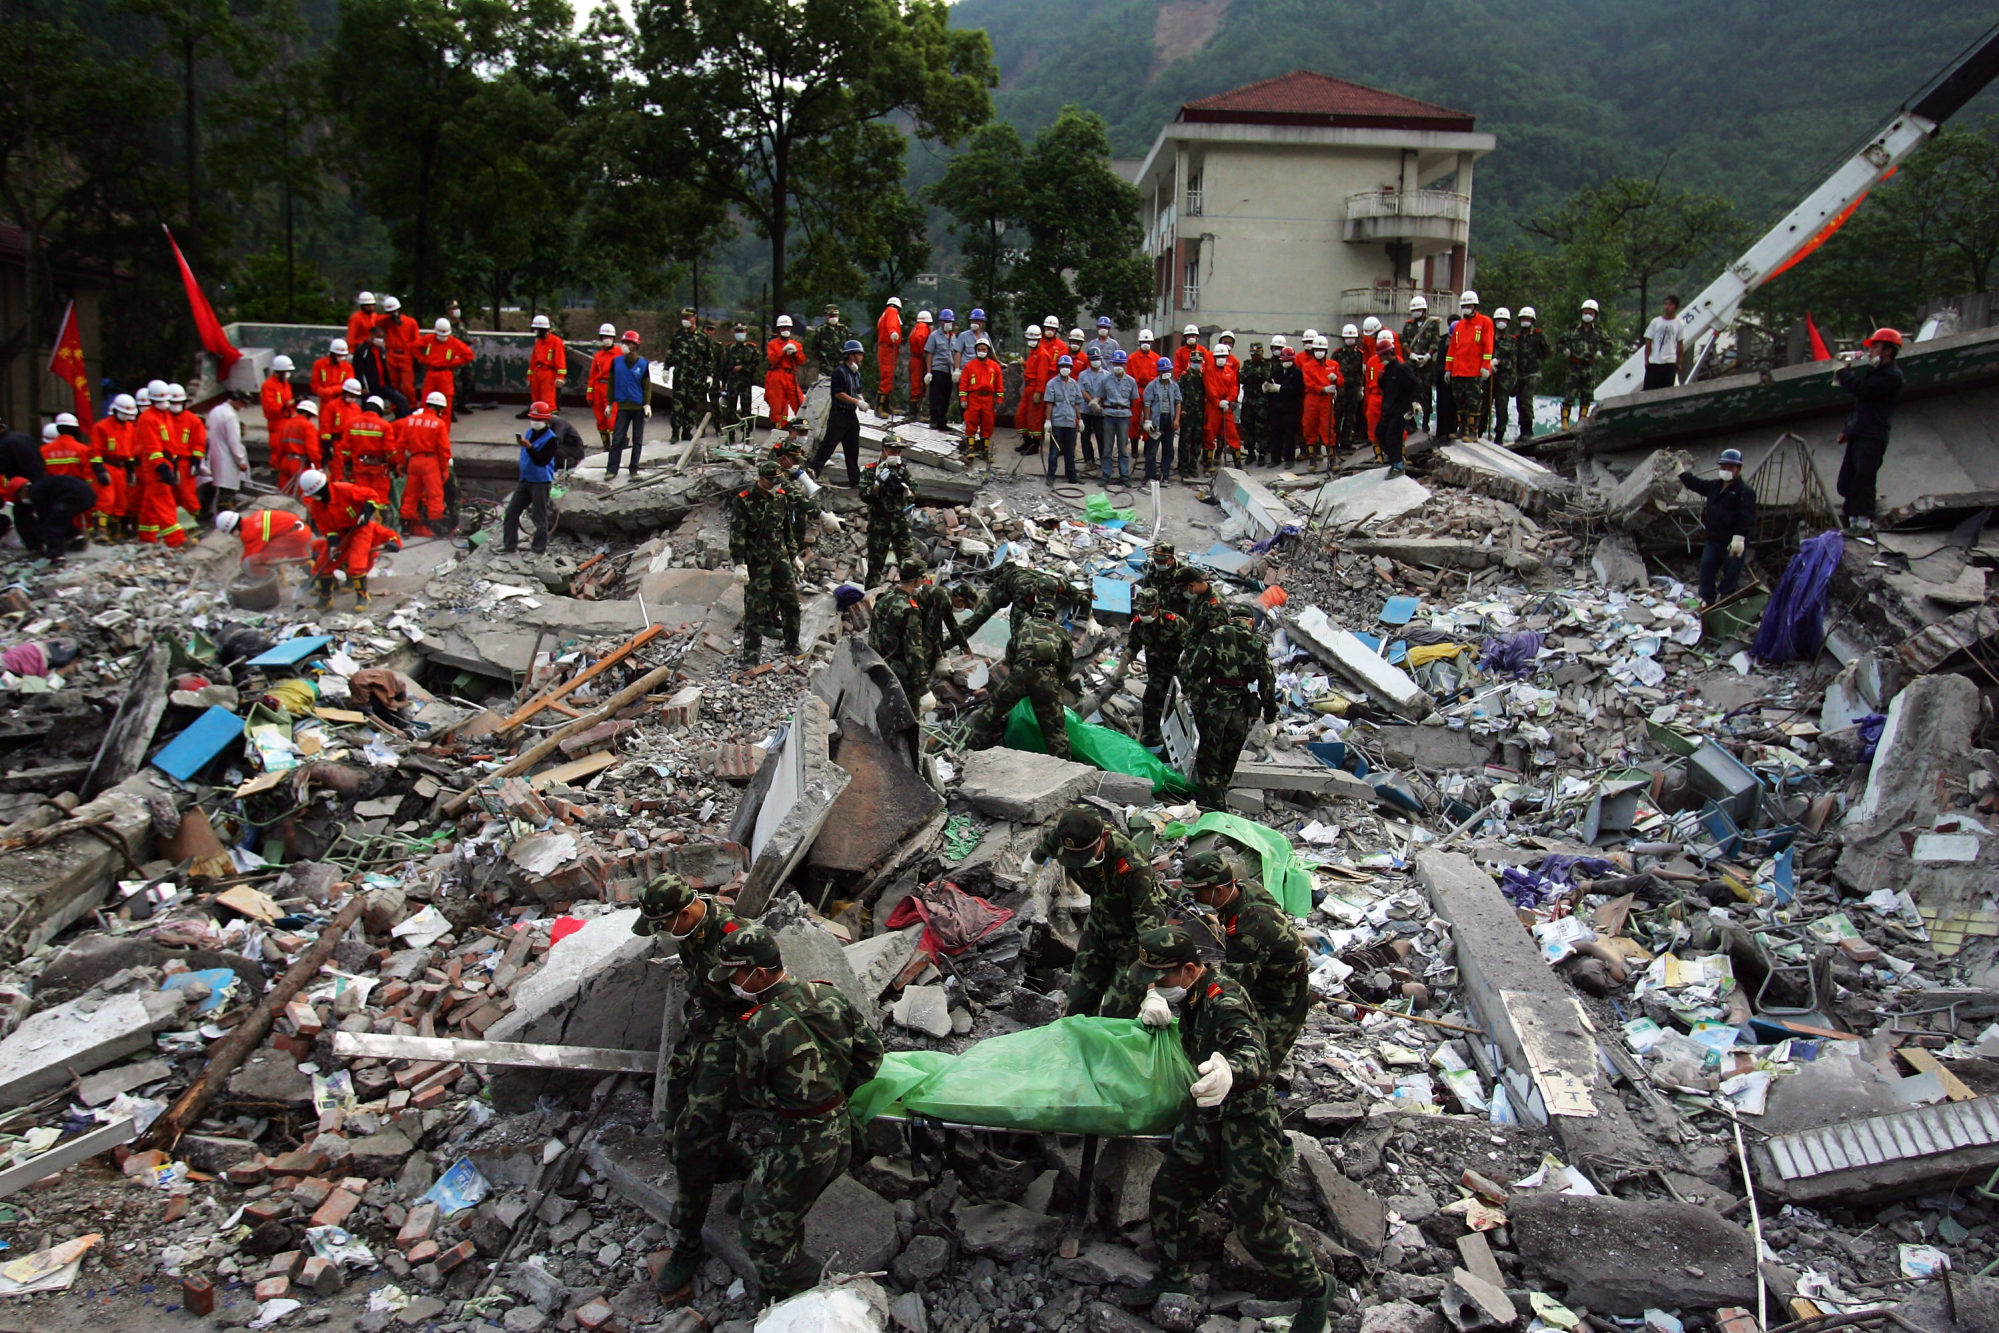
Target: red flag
[
  {"x": 206, "y": 325},
  {"x": 66, "y": 364},
  {"x": 1820, "y": 352}
]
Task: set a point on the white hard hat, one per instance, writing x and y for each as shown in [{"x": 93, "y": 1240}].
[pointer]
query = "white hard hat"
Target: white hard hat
[
  {"x": 1527, "y": 312},
  {"x": 1310, "y": 334},
  {"x": 65, "y": 418},
  {"x": 1501, "y": 313},
  {"x": 1370, "y": 325},
  {"x": 124, "y": 406},
  {"x": 442, "y": 328},
  {"x": 156, "y": 390},
  {"x": 1277, "y": 341},
  {"x": 1223, "y": 344},
  {"x": 1348, "y": 332},
  {"x": 311, "y": 481},
  {"x": 1468, "y": 298},
  {"x": 375, "y": 401},
  {"x": 352, "y": 386},
  {"x": 607, "y": 330},
  {"x": 1145, "y": 335},
  {"x": 282, "y": 364},
  {"x": 227, "y": 520},
  {"x": 365, "y": 298},
  {"x": 435, "y": 399},
  {"x": 1051, "y": 323},
  {"x": 1076, "y": 334},
  {"x": 1191, "y": 331},
  {"x": 176, "y": 393},
  {"x": 895, "y": 301},
  {"x": 538, "y": 322},
  {"x": 391, "y": 304},
  {"x": 308, "y": 405},
  {"x": 143, "y": 398},
  {"x": 50, "y": 432},
  {"x": 923, "y": 317},
  {"x": 338, "y": 347},
  {"x": 1419, "y": 302},
  {"x": 1034, "y": 333},
  {"x": 1319, "y": 343},
  {"x": 983, "y": 341},
  {"x": 784, "y": 321},
  {"x": 1226, "y": 335},
  {"x": 1385, "y": 338},
  {"x": 1590, "y": 304}
]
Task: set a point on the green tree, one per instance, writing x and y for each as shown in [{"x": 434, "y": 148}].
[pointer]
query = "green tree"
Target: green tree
[
  {"x": 1653, "y": 231},
  {"x": 758, "y": 85},
  {"x": 1083, "y": 221},
  {"x": 984, "y": 190}
]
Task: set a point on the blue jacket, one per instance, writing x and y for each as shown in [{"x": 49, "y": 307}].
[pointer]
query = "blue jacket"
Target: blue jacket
[
  {"x": 939, "y": 349},
  {"x": 1162, "y": 395},
  {"x": 1094, "y": 383},
  {"x": 538, "y": 455},
  {"x": 631, "y": 383},
  {"x": 1064, "y": 399},
  {"x": 1116, "y": 392}
]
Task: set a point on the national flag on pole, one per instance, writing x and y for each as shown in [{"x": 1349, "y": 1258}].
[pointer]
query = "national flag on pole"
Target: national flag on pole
[
  {"x": 1820, "y": 352},
  {"x": 205, "y": 323},
  {"x": 66, "y": 364}
]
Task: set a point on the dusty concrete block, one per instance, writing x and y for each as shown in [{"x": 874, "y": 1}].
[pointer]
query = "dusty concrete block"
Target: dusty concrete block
[
  {"x": 1357, "y": 1216},
  {"x": 924, "y": 1009},
  {"x": 879, "y": 960},
  {"x": 1616, "y": 562},
  {"x": 1432, "y": 748},
  {"x": 813, "y": 954},
  {"x": 884, "y": 802},
  {"x": 924, "y": 1258},
  {"x": 1387, "y": 685},
  {"x": 1019, "y": 785},
  {"x": 271, "y": 1075},
  {"x": 1124, "y": 789},
  {"x": 1622, "y": 1256},
  {"x": 789, "y": 803},
  {"x": 1006, "y": 1232}
]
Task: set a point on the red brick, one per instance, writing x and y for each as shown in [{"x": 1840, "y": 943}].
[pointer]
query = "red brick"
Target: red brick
[
  {"x": 594, "y": 1313},
  {"x": 299, "y": 1048},
  {"x": 430, "y": 1096},
  {"x": 422, "y": 1220},
  {"x": 334, "y": 1211},
  {"x": 245, "y": 1174},
  {"x": 197, "y": 1295},
  {"x": 422, "y": 1252},
  {"x": 176, "y": 1207},
  {"x": 286, "y": 1264},
  {"x": 271, "y": 1288},
  {"x": 454, "y": 1256},
  {"x": 311, "y": 1192},
  {"x": 417, "y": 1073},
  {"x": 266, "y": 1210},
  {"x": 298, "y": 1162},
  {"x": 394, "y": 993},
  {"x": 321, "y": 1277}
]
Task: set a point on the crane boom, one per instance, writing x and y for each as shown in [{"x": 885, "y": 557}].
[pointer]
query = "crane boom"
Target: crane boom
[{"x": 1909, "y": 129}]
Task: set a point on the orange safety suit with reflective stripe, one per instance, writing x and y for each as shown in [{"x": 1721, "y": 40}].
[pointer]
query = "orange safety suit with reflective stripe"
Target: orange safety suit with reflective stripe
[
  {"x": 274, "y": 398},
  {"x": 110, "y": 447},
  {"x": 979, "y": 388},
  {"x": 888, "y": 346},
  {"x": 548, "y": 365},
  {"x": 370, "y": 455},
  {"x": 1472, "y": 341},
  {"x": 188, "y": 447},
  {"x": 442, "y": 359},
  {"x": 399, "y": 335},
  {"x": 601, "y": 406},
  {"x": 360, "y": 324},
  {"x": 333, "y": 423},
  {"x": 328, "y": 374},
  {"x": 424, "y": 444},
  {"x": 294, "y": 446},
  {"x": 1222, "y": 380},
  {"x": 272, "y": 535},
  {"x": 157, "y": 506},
  {"x": 783, "y": 356},
  {"x": 1316, "y": 421}
]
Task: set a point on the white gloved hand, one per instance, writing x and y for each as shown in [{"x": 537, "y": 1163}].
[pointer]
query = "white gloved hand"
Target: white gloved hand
[
  {"x": 927, "y": 704},
  {"x": 1332, "y": 388},
  {"x": 741, "y": 571},
  {"x": 1485, "y": 373},
  {"x": 830, "y": 522},
  {"x": 340, "y": 576},
  {"x": 926, "y": 379},
  {"x": 1214, "y": 1083},
  {"x": 1737, "y": 544},
  {"x": 648, "y": 410},
  {"x": 955, "y": 374},
  {"x": 1154, "y": 1011}
]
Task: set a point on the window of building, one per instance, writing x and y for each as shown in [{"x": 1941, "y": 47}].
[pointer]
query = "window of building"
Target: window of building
[{"x": 1194, "y": 192}]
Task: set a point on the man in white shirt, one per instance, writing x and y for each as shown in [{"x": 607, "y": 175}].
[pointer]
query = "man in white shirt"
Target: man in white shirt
[
  {"x": 228, "y": 463},
  {"x": 1662, "y": 347}
]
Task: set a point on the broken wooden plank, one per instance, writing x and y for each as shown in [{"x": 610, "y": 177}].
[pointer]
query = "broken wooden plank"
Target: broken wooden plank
[
  {"x": 514, "y": 1054},
  {"x": 574, "y": 769},
  {"x": 1923, "y": 1062},
  {"x": 81, "y": 1148},
  {"x": 591, "y": 672},
  {"x": 541, "y": 749}
]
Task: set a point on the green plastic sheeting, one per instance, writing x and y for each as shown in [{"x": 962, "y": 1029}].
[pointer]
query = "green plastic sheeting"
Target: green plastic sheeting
[
  {"x": 1285, "y": 880},
  {"x": 1099, "y": 509},
  {"x": 1112, "y": 751},
  {"x": 1111, "y": 1076}
]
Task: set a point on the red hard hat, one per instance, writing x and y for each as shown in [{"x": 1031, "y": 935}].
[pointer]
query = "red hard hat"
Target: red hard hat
[
  {"x": 540, "y": 412},
  {"x": 631, "y": 336},
  {"x": 1892, "y": 337}
]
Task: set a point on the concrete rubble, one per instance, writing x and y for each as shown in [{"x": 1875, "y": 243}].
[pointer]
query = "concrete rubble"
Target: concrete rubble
[{"x": 1586, "y": 886}]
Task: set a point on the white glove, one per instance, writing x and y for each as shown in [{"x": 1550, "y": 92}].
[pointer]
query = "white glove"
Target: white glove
[
  {"x": 648, "y": 410},
  {"x": 926, "y": 379},
  {"x": 927, "y": 704},
  {"x": 340, "y": 576},
  {"x": 1485, "y": 373},
  {"x": 1737, "y": 544},
  {"x": 1332, "y": 388},
  {"x": 955, "y": 374},
  {"x": 830, "y": 522},
  {"x": 1154, "y": 1012},
  {"x": 1214, "y": 1083},
  {"x": 741, "y": 571}
]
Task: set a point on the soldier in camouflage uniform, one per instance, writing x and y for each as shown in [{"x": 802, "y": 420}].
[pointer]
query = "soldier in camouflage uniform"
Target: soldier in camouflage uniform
[
  {"x": 1530, "y": 352},
  {"x": 828, "y": 340},
  {"x": 1039, "y": 659},
  {"x": 1423, "y": 339},
  {"x": 760, "y": 545},
  {"x": 1350, "y": 403},
  {"x": 1581, "y": 348},
  {"x": 1218, "y": 675},
  {"x": 687, "y": 356},
  {"x": 801, "y": 1050},
  {"x": 701, "y": 1073},
  {"x": 1163, "y": 577},
  {"x": 1232, "y": 1139},
  {"x": 1194, "y": 444},
  {"x": 1125, "y": 901},
  {"x": 1162, "y": 637},
  {"x": 1259, "y": 381},
  {"x": 885, "y": 490},
  {"x": 897, "y": 631},
  {"x": 1505, "y": 372},
  {"x": 1018, "y": 587},
  {"x": 1199, "y": 607},
  {"x": 801, "y": 512},
  {"x": 940, "y": 619},
  {"x": 736, "y": 370}
]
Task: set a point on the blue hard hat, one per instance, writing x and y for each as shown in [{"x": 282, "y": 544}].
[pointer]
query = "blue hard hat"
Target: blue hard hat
[
  {"x": 851, "y": 345},
  {"x": 1731, "y": 457},
  {"x": 976, "y": 313},
  {"x": 945, "y": 315},
  {"x": 1065, "y": 361},
  {"x": 1119, "y": 357},
  {"x": 1103, "y": 321}
]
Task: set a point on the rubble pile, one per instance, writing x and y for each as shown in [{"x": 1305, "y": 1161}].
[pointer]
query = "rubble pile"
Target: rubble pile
[{"x": 1655, "y": 986}]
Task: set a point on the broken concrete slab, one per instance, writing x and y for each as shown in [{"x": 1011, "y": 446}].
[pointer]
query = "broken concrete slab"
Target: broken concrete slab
[
  {"x": 860, "y": 690},
  {"x": 1247, "y": 499},
  {"x": 1493, "y": 469},
  {"x": 1896, "y": 1153},
  {"x": 271, "y": 1077},
  {"x": 796, "y": 802},
  {"x": 51, "y": 1049},
  {"x": 101, "y": 1088},
  {"x": 879, "y": 960},
  {"x": 502, "y": 643},
  {"x": 1387, "y": 685},
  {"x": 924, "y": 1009},
  {"x": 1022, "y": 786},
  {"x": 1623, "y": 1256},
  {"x": 1006, "y": 1232},
  {"x": 883, "y": 803},
  {"x": 637, "y": 510},
  {"x": 814, "y": 954},
  {"x": 1446, "y": 553},
  {"x": 1314, "y": 779},
  {"x": 1616, "y": 562},
  {"x": 48, "y": 888},
  {"x": 1358, "y": 1218},
  {"x": 1435, "y": 748},
  {"x": 850, "y": 1228},
  {"x": 596, "y": 987},
  {"x": 1652, "y": 488},
  {"x": 1363, "y": 500}
]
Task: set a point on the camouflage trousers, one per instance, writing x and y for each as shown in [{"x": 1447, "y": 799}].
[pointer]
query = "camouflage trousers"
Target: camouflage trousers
[
  {"x": 789, "y": 1176},
  {"x": 1224, "y": 728},
  {"x": 1159, "y": 674},
  {"x": 887, "y": 534},
  {"x": 1100, "y": 974},
  {"x": 1515, "y": 399},
  {"x": 1579, "y": 387},
  {"x": 1349, "y": 417},
  {"x": 1126, "y": 992},
  {"x": 1039, "y": 686},
  {"x": 700, "y": 1097},
  {"x": 1244, "y": 1152},
  {"x": 685, "y": 414},
  {"x": 1255, "y": 425},
  {"x": 1468, "y": 396},
  {"x": 1280, "y": 1029},
  {"x": 770, "y": 606}
]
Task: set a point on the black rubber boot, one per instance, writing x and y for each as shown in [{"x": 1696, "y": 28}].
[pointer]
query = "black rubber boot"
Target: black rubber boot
[
  {"x": 675, "y": 1283},
  {"x": 1311, "y": 1316}
]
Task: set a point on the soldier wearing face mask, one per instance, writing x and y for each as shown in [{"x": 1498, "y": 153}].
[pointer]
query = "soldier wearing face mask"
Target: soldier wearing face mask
[
  {"x": 700, "y": 1074},
  {"x": 1125, "y": 901},
  {"x": 735, "y": 372}
]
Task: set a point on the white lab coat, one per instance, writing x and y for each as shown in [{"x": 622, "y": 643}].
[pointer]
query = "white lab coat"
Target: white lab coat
[{"x": 228, "y": 464}]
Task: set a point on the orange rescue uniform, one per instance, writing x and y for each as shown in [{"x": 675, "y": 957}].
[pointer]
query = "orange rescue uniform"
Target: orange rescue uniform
[
  {"x": 424, "y": 444},
  {"x": 442, "y": 359},
  {"x": 359, "y": 325},
  {"x": 1034, "y": 375},
  {"x": 601, "y": 406},
  {"x": 978, "y": 393},
  {"x": 294, "y": 447},
  {"x": 888, "y": 347},
  {"x": 1317, "y": 418},
  {"x": 156, "y": 505},
  {"x": 188, "y": 446},
  {"x": 110, "y": 447},
  {"x": 548, "y": 366},
  {"x": 328, "y": 374},
  {"x": 399, "y": 335},
  {"x": 782, "y": 357},
  {"x": 1222, "y": 382},
  {"x": 370, "y": 456},
  {"x": 272, "y": 535},
  {"x": 919, "y": 342},
  {"x": 1143, "y": 367},
  {"x": 276, "y": 397},
  {"x": 1470, "y": 350}
]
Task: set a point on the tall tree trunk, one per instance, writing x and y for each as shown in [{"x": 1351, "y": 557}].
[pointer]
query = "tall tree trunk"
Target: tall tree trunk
[{"x": 780, "y": 218}]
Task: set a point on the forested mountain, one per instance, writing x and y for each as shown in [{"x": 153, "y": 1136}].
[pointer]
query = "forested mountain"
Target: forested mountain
[{"x": 1753, "y": 99}]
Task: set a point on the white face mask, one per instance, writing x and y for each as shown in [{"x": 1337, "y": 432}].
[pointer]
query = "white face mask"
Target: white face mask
[
  {"x": 1065, "y": 372},
  {"x": 683, "y": 934},
  {"x": 983, "y": 354},
  {"x": 606, "y": 342},
  {"x": 686, "y": 323},
  {"x": 1589, "y": 316},
  {"x": 741, "y": 336},
  {"x": 1170, "y": 994},
  {"x": 1145, "y": 347}
]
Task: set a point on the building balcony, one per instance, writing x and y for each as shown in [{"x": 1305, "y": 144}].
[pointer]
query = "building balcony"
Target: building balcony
[
  {"x": 1429, "y": 219},
  {"x": 1390, "y": 305}
]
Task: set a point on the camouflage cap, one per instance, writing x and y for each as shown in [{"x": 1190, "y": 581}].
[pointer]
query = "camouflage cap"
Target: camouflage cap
[
  {"x": 891, "y": 441},
  {"x": 1244, "y": 611},
  {"x": 914, "y": 568},
  {"x": 787, "y": 448},
  {"x": 687, "y": 312},
  {"x": 1204, "y": 870},
  {"x": 1167, "y": 947},
  {"x": 1145, "y": 599},
  {"x": 662, "y": 899},
  {"x": 1166, "y": 549},
  {"x": 799, "y": 426},
  {"x": 752, "y": 946},
  {"x": 1187, "y": 575},
  {"x": 741, "y": 327},
  {"x": 832, "y": 309},
  {"x": 1079, "y": 830}
]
